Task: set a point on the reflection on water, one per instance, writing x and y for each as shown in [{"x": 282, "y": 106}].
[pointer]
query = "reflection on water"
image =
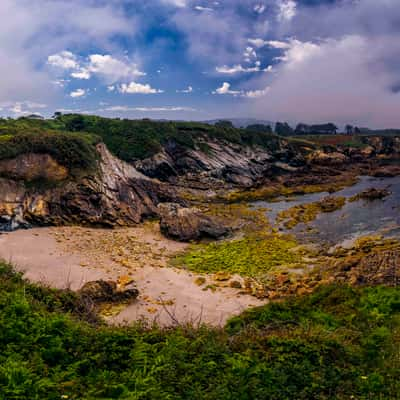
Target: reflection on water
[{"x": 355, "y": 219}]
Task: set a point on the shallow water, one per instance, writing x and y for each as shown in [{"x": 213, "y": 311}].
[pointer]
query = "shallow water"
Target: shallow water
[{"x": 355, "y": 219}]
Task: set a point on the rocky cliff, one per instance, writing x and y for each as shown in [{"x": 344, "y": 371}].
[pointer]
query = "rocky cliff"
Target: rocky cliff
[
  {"x": 36, "y": 190},
  {"x": 217, "y": 164}
]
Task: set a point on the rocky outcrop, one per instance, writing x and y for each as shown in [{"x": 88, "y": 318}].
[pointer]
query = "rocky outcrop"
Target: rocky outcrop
[
  {"x": 187, "y": 224},
  {"x": 107, "y": 292},
  {"x": 320, "y": 157},
  {"x": 117, "y": 194},
  {"x": 371, "y": 194},
  {"x": 217, "y": 163},
  {"x": 31, "y": 167},
  {"x": 36, "y": 190}
]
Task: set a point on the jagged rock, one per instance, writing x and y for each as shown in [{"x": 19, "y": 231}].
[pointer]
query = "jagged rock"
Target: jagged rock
[
  {"x": 327, "y": 159},
  {"x": 186, "y": 224},
  {"x": 107, "y": 291},
  {"x": 220, "y": 163},
  {"x": 387, "y": 171},
  {"x": 372, "y": 194},
  {"x": 331, "y": 203},
  {"x": 116, "y": 195}
]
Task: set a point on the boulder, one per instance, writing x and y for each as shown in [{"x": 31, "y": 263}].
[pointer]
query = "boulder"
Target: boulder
[
  {"x": 327, "y": 159},
  {"x": 373, "y": 194},
  {"x": 187, "y": 224},
  {"x": 107, "y": 291},
  {"x": 386, "y": 171}
]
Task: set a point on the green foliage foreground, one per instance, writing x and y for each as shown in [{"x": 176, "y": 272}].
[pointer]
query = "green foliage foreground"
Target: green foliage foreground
[{"x": 339, "y": 343}]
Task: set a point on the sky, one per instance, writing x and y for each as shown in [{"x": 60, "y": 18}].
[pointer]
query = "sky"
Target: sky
[{"x": 308, "y": 61}]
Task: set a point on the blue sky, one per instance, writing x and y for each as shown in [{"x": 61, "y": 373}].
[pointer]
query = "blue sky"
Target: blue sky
[{"x": 292, "y": 60}]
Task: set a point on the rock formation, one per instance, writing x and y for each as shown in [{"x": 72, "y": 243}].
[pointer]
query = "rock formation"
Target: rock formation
[
  {"x": 186, "y": 224},
  {"x": 34, "y": 190}
]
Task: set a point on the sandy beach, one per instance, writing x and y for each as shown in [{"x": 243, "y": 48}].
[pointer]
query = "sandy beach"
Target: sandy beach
[{"x": 68, "y": 257}]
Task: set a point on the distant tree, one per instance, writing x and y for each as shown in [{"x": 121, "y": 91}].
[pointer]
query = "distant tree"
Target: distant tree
[
  {"x": 283, "y": 129},
  {"x": 349, "y": 129},
  {"x": 357, "y": 130},
  {"x": 75, "y": 123},
  {"x": 224, "y": 124},
  {"x": 259, "y": 128},
  {"x": 57, "y": 114},
  {"x": 34, "y": 116},
  {"x": 302, "y": 129}
]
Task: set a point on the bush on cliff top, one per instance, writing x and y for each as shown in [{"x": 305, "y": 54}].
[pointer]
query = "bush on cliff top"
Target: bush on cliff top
[
  {"x": 74, "y": 151},
  {"x": 337, "y": 343},
  {"x": 137, "y": 139}
]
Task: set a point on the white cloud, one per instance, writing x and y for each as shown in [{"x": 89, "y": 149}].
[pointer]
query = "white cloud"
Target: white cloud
[
  {"x": 287, "y": 10},
  {"x": 298, "y": 51},
  {"x": 78, "y": 93},
  {"x": 105, "y": 66},
  {"x": 28, "y": 35},
  {"x": 138, "y": 88},
  {"x": 259, "y": 8},
  {"x": 188, "y": 90},
  {"x": 238, "y": 69},
  {"x": 63, "y": 60},
  {"x": 276, "y": 44},
  {"x": 81, "y": 74},
  {"x": 176, "y": 3},
  {"x": 253, "y": 94},
  {"x": 22, "y": 107},
  {"x": 111, "y": 68},
  {"x": 200, "y": 8},
  {"x": 148, "y": 109},
  {"x": 110, "y": 88},
  {"x": 249, "y": 54},
  {"x": 226, "y": 89},
  {"x": 340, "y": 80}
]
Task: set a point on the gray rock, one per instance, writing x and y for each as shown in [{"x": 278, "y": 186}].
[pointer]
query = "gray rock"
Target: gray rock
[{"x": 187, "y": 224}]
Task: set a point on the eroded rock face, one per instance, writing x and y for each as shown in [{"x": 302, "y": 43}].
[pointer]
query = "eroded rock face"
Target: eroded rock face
[
  {"x": 117, "y": 195},
  {"x": 31, "y": 167},
  {"x": 216, "y": 163},
  {"x": 187, "y": 224}
]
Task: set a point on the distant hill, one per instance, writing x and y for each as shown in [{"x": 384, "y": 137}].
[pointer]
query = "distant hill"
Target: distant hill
[{"x": 242, "y": 122}]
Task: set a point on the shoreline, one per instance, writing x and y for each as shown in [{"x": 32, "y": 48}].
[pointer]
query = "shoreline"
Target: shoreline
[{"x": 53, "y": 257}]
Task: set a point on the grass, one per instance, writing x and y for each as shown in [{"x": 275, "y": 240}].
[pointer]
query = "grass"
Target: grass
[{"x": 338, "y": 343}]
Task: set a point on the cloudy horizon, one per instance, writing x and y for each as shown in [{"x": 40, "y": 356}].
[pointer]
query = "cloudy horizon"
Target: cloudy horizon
[{"x": 292, "y": 60}]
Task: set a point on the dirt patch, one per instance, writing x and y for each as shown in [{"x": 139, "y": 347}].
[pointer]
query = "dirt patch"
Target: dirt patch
[{"x": 72, "y": 256}]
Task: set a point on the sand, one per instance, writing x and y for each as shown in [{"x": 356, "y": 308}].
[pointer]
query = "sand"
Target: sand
[{"x": 68, "y": 257}]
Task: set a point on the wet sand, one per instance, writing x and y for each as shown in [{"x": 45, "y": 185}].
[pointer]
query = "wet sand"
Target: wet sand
[{"x": 68, "y": 257}]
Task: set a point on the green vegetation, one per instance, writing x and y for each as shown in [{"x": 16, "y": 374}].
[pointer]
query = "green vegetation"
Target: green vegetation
[
  {"x": 251, "y": 256},
  {"x": 338, "y": 343},
  {"x": 137, "y": 139},
  {"x": 74, "y": 151}
]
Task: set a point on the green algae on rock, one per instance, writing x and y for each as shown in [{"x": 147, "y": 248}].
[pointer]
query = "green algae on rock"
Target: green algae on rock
[
  {"x": 305, "y": 213},
  {"x": 249, "y": 256}
]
